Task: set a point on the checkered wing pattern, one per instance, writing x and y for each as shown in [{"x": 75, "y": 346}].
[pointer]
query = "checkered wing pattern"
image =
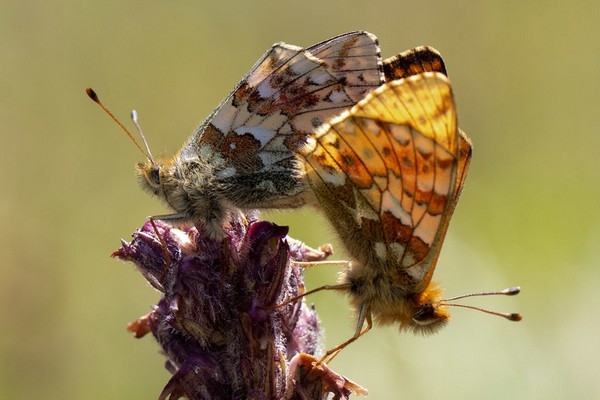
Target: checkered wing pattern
[
  {"x": 388, "y": 173},
  {"x": 253, "y": 135}
]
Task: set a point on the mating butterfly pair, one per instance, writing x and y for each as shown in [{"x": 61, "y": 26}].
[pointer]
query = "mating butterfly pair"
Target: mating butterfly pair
[{"x": 373, "y": 144}]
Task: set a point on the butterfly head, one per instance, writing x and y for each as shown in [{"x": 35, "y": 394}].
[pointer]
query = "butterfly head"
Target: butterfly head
[
  {"x": 162, "y": 179},
  {"x": 189, "y": 188},
  {"x": 429, "y": 313},
  {"x": 422, "y": 312},
  {"x": 149, "y": 175}
]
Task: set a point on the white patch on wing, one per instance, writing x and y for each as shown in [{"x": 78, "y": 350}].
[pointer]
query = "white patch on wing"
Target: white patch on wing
[
  {"x": 266, "y": 90},
  {"x": 304, "y": 65},
  {"x": 390, "y": 203},
  {"x": 242, "y": 116},
  {"x": 419, "y": 211},
  {"x": 227, "y": 172},
  {"x": 274, "y": 121},
  {"x": 319, "y": 78},
  {"x": 337, "y": 96},
  {"x": 270, "y": 158},
  {"x": 443, "y": 176},
  {"x": 416, "y": 271},
  {"x": 208, "y": 154},
  {"x": 224, "y": 117},
  {"x": 397, "y": 250},
  {"x": 427, "y": 228},
  {"x": 381, "y": 250},
  {"x": 332, "y": 177},
  {"x": 257, "y": 132},
  {"x": 408, "y": 260}
]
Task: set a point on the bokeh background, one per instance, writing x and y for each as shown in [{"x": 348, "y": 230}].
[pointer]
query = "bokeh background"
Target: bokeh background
[{"x": 526, "y": 77}]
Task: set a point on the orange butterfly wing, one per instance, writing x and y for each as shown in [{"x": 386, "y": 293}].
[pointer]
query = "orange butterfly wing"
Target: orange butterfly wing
[{"x": 388, "y": 173}]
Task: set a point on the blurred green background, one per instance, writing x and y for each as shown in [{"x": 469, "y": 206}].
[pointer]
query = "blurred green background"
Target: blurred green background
[{"x": 526, "y": 77}]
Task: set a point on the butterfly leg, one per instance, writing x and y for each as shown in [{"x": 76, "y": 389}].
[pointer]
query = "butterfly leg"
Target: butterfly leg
[
  {"x": 343, "y": 286},
  {"x": 363, "y": 315}
]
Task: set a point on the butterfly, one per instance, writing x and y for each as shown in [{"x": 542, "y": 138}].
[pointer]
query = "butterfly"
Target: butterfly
[
  {"x": 243, "y": 155},
  {"x": 388, "y": 174}
]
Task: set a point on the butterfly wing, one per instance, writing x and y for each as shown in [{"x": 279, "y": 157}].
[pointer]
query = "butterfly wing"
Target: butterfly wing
[
  {"x": 412, "y": 62},
  {"x": 416, "y": 61},
  {"x": 388, "y": 172},
  {"x": 253, "y": 135}
]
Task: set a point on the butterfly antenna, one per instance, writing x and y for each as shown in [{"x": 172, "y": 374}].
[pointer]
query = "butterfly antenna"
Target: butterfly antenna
[
  {"x": 134, "y": 118},
  {"x": 512, "y": 291},
  {"x": 92, "y": 95}
]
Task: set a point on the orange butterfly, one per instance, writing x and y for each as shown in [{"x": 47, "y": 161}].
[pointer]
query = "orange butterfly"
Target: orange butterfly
[{"x": 388, "y": 174}]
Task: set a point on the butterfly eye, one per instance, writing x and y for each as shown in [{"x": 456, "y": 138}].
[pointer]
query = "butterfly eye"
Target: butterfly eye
[
  {"x": 155, "y": 176},
  {"x": 425, "y": 315}
]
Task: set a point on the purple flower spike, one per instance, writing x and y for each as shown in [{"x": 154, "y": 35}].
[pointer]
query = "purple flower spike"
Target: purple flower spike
[{"x": 226, "y": 321}]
